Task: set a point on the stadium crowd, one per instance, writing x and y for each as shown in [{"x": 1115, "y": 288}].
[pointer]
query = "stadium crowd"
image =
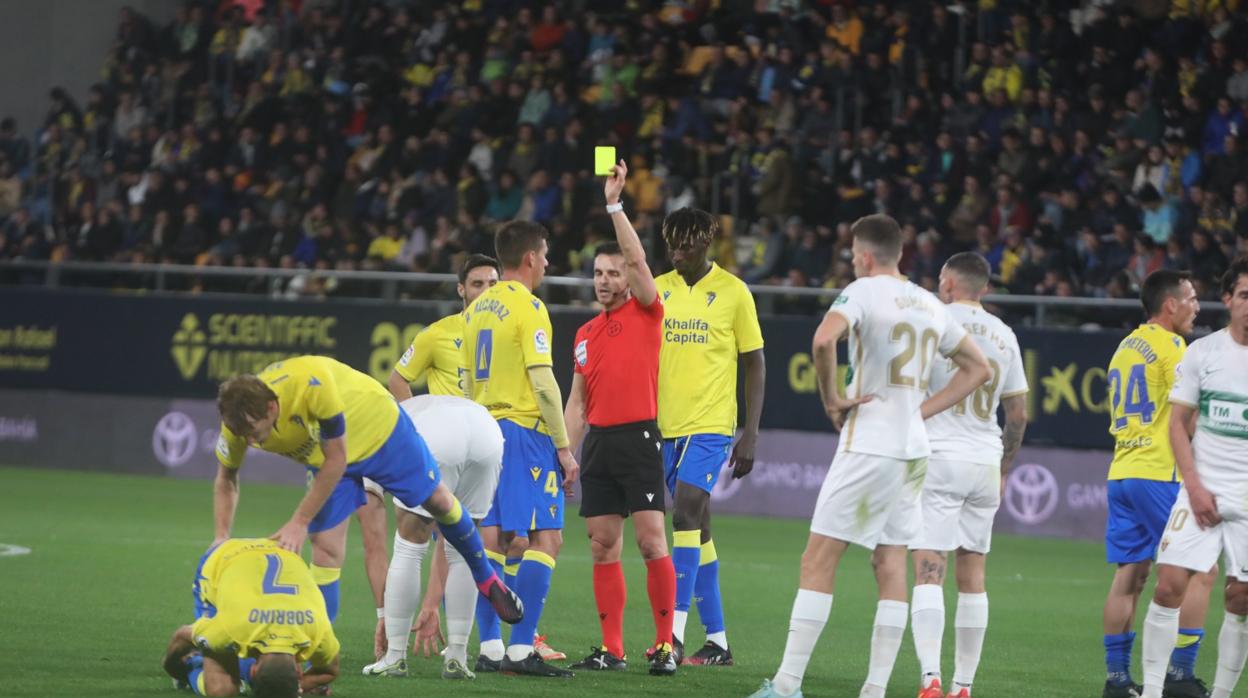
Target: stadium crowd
[{"x": 1078, "y": 148}]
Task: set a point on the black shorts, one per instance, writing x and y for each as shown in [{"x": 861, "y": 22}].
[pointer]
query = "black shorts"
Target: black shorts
[{"x": 622, "y": 470}]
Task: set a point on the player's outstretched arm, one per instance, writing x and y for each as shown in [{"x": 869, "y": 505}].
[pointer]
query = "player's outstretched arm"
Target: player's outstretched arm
[
  {"x": 224, "y": 502},
  {"x": 1204, "y": 504},
  {"x": 292, "y": 535},
  {"x": 1015, "y": 408},
  {"x": 550, "y": 404},
  {"x": 823, "y": 350},
  {"x": 574, "y": 413},
  {"x": 640, "y": 278},
  {"x": 973, "y": 371}
]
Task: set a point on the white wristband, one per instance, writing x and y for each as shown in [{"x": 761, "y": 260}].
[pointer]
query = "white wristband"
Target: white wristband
[
  {"x": 381, "y": 613},
  {"x": 615, "y": 208}
]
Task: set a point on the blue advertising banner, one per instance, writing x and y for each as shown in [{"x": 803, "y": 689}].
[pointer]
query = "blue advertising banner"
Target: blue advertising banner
[{"x": 183, "y": 346}]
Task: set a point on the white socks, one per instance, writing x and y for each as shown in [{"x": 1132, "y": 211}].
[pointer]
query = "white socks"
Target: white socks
[
  {"x": 461, "y": 603},
  {"x": 402, "y": 594},
  {"x": 1161, "y": 630},
  {"x": 1232, "y": 651},
  {"x": 720, "y": 638},
  {"x": 927, "y": 616},
  {"x": 517, "y": 653},
  {"x": 810, "y": 614},
  {"x": 679, "y": 618},
  {"x": 970, "y": 625},
  {"x": 890, "y": 627}
]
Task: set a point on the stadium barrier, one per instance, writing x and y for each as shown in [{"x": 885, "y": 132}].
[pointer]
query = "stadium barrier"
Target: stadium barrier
[
  {"x": 179, "y": 346},
  {"x": 1050, "y": 492}
]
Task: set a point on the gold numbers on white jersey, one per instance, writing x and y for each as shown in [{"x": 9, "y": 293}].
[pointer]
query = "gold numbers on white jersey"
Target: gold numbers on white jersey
[
  {"x": 899, "y": 369},
  {"x": 981, "y": 400}
]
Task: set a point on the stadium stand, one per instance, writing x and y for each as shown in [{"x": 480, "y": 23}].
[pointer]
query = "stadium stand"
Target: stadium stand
[{"x": 1077, "y": 145}]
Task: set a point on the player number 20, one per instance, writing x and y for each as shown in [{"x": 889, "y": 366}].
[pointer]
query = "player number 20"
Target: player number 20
[{"x": 912, "y": 343}]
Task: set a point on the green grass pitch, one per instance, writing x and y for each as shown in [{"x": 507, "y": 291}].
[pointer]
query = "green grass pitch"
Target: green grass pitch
[{"x": 89, "y": 610}]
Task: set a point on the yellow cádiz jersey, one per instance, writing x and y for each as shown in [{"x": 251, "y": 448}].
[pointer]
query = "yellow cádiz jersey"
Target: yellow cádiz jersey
[
  {"x": 506, "y": 332},
  {"x": 1139, "y": 380},
  {"x": 705, "y": 327},
  {"x": 437, "y": 354},
  {"x": 315, "y": 392},
  {"x": 266, "y": 602}
]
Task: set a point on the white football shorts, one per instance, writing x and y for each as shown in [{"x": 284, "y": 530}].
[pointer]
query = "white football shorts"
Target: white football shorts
[
  {"x": 1186, "y": 545},
  {"x": 870, "y": 500},
  {"x": 959, "y": 503}
]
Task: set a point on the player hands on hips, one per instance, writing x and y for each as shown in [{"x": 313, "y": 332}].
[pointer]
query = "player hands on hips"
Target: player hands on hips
[
  {"x": 710, "y": 330},
  {"x": 614, "y": 392},
  {"x": 343, "y": 427},
  {"x": 259, "y": 622},
  {"x": 971, "y": 456},
  {"x": 895, "y": 331},
  {"x": 1210, "y": 516}
]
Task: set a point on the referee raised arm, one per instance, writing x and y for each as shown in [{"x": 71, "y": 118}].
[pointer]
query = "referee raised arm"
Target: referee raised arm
[{"x": 615, "y": 393}]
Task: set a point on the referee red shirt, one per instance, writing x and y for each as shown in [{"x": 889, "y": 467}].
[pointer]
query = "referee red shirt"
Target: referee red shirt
[{"x": 617, "y": 353}]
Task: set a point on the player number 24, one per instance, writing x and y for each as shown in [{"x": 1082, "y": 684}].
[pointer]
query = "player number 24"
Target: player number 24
[
  {"x": 912, "y": 343},
  {"x": 1130, "y": 399}
]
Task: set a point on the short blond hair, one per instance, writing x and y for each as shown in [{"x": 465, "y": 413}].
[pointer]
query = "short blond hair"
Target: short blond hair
[{"x": 242, "y": 400}]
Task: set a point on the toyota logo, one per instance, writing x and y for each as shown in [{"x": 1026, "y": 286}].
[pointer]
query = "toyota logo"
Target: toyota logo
[
  {"x": 174, "y": 439},
  {"x": 1031, "y": 493}
]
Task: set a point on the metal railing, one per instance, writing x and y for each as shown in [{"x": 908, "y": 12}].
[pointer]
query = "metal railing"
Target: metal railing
[{"x": 391, "y": 286}]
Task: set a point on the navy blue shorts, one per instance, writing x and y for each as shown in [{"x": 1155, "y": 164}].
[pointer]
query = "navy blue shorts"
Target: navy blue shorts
[
  {"x": 695, "y": 459},
  {"x": 1138, "y": 512},
  {"x": 530, "y": 488},
  {"x": 403, "y": 466}
]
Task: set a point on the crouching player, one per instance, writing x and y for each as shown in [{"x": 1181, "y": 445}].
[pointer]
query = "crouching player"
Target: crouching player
[
  {"x": 303, "y": 408},
  {"x": 258, "y": 620}
]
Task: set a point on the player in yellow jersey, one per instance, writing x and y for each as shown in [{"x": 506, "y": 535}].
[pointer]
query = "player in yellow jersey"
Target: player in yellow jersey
[
  {"x": 436, "y": 353},
  {"x": 258, "y": 619},
  {"x": 507, "y": 349},
  {"x": 710, "y": 326},
  {"x": 344, "y": 427},
  {"x": 1144, "y": 481}
]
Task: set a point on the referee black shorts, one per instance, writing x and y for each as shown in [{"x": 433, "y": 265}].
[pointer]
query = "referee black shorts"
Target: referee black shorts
[{"x": 622, "y": 470}]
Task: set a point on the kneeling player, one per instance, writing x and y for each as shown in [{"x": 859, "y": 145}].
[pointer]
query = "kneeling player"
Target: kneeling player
[
  {"x": 962, "y": 490},
  {"x": 258, "y": 619},
  {"x": 468, "y": 445},
  {"x": 302, "y": 408},
  {"x": 1210, "y": 517}
]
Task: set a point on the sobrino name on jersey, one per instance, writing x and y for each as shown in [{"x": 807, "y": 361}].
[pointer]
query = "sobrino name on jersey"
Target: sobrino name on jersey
[
  {"x": 691, "y": 331},
  {"x": 270, "y": 617}
]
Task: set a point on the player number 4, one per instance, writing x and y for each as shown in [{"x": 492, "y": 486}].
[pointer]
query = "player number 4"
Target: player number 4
[{"x": 1130, "y": 399}]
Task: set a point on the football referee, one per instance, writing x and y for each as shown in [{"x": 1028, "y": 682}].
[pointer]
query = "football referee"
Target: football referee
[{"x": 615, "y": 393}]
